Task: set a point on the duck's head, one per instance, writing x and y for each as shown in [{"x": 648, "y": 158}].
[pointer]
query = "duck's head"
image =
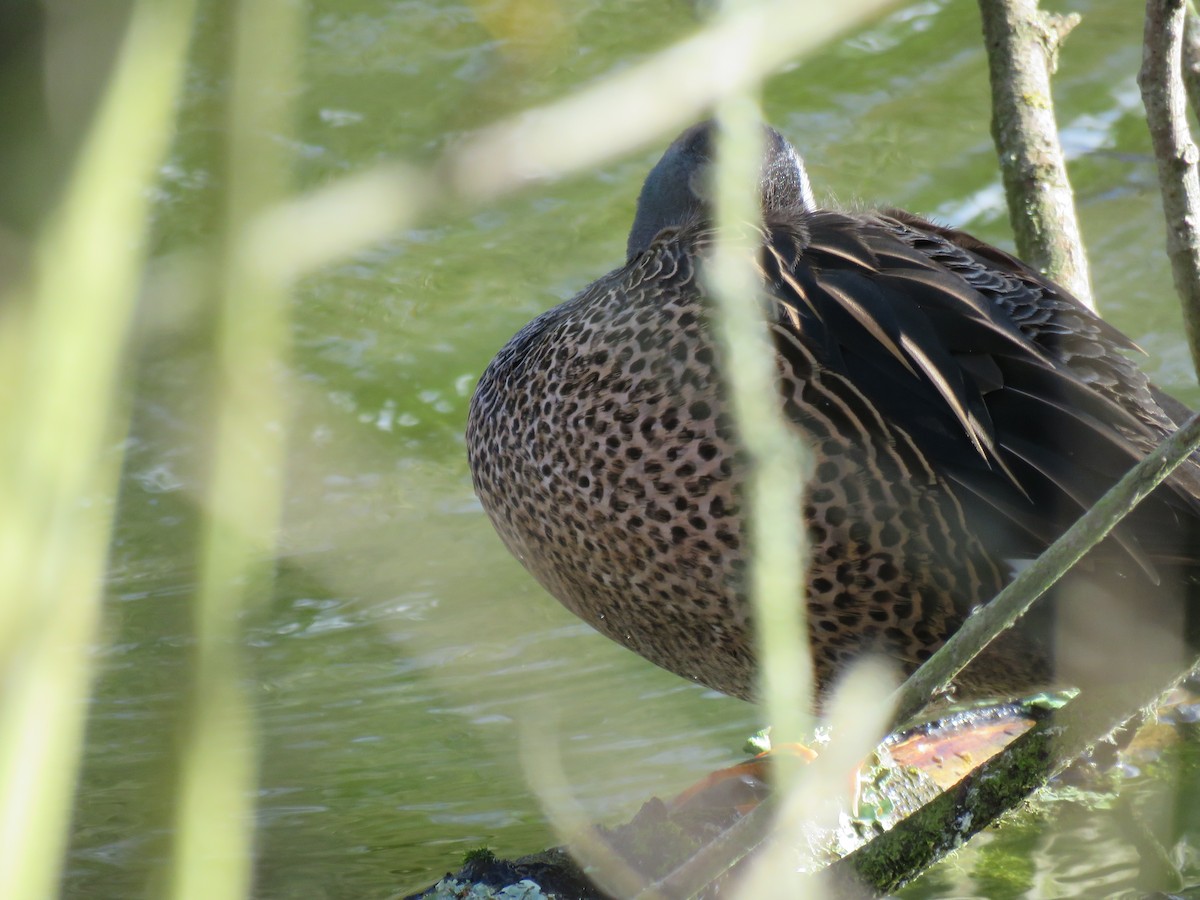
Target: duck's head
[{"x": 678, "y": 189}]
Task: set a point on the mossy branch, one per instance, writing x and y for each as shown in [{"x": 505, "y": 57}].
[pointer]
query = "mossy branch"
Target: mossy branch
[
  {"x": 1165, "y": 99},
  {"x": 898, "y": 856},
  {"x": 1022, "y": 46}
]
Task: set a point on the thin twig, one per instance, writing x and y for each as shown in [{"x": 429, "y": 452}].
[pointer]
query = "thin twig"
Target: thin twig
[
  {"x": 1010, "y": 604},
  {"x": 1022, "y": 45},
  {"x": 1161, "y": 83}
]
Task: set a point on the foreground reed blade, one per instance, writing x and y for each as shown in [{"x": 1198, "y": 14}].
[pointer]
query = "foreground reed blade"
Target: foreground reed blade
[
  {"x": 62, "y": 422},
  {"x": 214, "y": 825}
]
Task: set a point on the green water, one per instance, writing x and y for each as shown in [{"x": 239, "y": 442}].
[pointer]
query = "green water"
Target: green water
[{"x": 403, "y": 649}]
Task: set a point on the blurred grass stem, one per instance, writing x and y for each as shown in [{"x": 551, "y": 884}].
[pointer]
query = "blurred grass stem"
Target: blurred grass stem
[
  {"x": 857, "y": 722},
  {"x": 544, "y": 769},
  {"x": 215, "y": 814},
  {"x": 776, "y": 460},
  {"x": 668, "y": 91},
  {"x": 558, "y": 139},
  {"x": 776, "y": 470},
  {"x": 63, "y": 424},
  {"x": 302, "y": 234}
]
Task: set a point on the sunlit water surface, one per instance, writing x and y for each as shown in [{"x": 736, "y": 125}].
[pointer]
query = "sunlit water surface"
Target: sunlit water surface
[{"x": 404, "y": 653}]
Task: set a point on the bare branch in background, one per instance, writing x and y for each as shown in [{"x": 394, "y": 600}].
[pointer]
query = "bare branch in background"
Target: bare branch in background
[
  {"x": 1161, "y": 83},
  {"x": 1191, "y": 57},
  {"x": 1022, "y": 45}
]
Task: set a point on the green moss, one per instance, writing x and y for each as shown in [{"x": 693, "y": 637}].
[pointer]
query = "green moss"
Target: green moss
[
  {"x": 657, "y": 848},
  {"x": 759, "y": 742},
  {"x": 889, "y": 861},
  {"x": 478, "y": 855}
]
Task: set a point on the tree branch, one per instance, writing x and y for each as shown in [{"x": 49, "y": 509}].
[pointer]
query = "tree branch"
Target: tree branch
[
  {"x": 1022, "y": 46},
  {"x": 1163, "y": 94}
]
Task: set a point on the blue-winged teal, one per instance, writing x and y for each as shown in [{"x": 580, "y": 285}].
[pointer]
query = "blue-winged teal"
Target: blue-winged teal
[{"x": 962, "y": 410}]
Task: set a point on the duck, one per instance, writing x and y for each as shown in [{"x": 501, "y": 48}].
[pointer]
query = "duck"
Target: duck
[{"x": 961, "y": 411}]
